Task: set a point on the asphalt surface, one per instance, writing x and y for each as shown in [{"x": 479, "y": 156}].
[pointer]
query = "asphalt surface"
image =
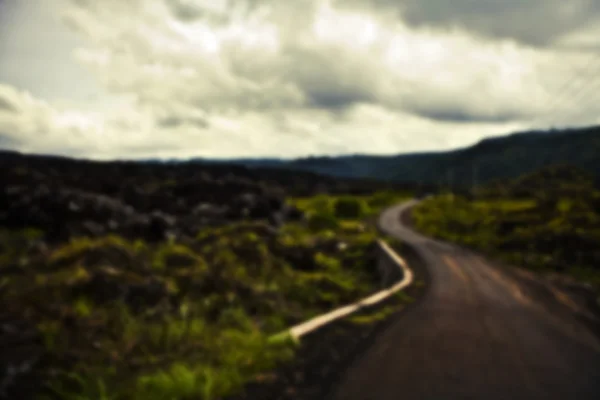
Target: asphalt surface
[{"x": 474, "y": 335}]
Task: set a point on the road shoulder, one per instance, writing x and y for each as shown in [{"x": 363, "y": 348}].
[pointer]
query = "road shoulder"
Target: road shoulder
[{"x": 325, "y": 354}]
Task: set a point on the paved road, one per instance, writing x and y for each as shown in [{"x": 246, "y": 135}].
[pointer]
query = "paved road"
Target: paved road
[{"x": 475, "y": 335}]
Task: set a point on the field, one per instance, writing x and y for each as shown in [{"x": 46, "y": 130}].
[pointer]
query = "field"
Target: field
[
  {"x": 110, "y": 317},
  {"x": 548, "y": 222}
]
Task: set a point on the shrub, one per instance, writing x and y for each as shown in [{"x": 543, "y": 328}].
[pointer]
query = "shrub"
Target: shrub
[
  {"x": 181, "y": 381},
  {"x": 350, "y": 208},
  {"x": 176, "y": 256},
  {"x": 385, "y": 199},
  {"x": 321, "y": 222}
]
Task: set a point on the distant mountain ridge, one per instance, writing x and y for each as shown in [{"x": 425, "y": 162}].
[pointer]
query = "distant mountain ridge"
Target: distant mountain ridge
[
  {"x": 502, "y": 157},
  {"x": 490, "y": 159}
]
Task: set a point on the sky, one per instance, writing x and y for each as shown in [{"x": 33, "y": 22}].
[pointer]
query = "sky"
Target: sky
[{"x": 262, "y": 78}]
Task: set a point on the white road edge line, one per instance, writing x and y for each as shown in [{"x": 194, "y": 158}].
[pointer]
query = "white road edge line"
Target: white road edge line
[{"x": 314, "y": 323}]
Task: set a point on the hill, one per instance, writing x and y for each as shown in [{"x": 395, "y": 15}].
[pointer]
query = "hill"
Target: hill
[{"x": 490, "y": 159}]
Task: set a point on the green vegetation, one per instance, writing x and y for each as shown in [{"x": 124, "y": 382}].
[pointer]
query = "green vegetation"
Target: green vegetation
[
  {"x": 348, "y": 208},
  {"x": 373, "y": 317},
  {"x": 125, "y": 320},
  {"x": 548, "y": 221},
  {"x": 370, "y": 316}
]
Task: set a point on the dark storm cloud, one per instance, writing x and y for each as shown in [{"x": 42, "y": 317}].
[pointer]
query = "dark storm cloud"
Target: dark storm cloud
[
  {"x": 184, "y": 10},
  {"x": 336, "y": 98},
  {"x": 329, "y": 79},
  {"x": 454, "y": 115},
  {"x": 174, "y": 122},
  {"x": 191, "y": 11},
  {"x": 535, "y": 22}
]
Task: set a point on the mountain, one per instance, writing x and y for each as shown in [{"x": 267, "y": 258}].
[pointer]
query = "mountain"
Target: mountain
[{"x": 490, "y": 159}]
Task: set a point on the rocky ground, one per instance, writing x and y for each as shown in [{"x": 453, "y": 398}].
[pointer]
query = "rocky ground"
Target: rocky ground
[{"x": 66, "y": 198}]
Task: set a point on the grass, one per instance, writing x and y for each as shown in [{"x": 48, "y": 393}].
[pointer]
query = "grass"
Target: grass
[
  {"x": 548, "y": 234},
  {"x": 87, "y": 388},
  {"x": 373, "y": 317},
  {"x": 506, "y": 205},
  {"x": 378, "y": 314},
  {"x": 188, "y": 319}
]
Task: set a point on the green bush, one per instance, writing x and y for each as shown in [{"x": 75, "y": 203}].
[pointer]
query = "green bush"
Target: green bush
[
  {"x": 349, "y": 208},
  {"x": 383, "y": 199},
  {"x": 321, "y": 222}
]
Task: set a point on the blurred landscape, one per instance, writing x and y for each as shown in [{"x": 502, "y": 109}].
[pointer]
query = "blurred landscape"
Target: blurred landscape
[
  {"x": 118, "y": 277},
  {"x": 200, "y": 200}
]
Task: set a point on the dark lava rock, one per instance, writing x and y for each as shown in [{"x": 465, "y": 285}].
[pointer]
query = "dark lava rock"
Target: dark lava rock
[
  {"x": 148, "y": 294},
  {"x": 210, "y": 211},
  {"x": 136, "y": 227},
  {"x": 277, "y": 219},
  {"x": 20, "y": 356},
  {"x": 108, "y": 285},
  {"x": 66, "y": 198},
  {"x": 292, "y": 213},
  {"x": 160, "y": 225},
  {"x": 105, "y": 286}
]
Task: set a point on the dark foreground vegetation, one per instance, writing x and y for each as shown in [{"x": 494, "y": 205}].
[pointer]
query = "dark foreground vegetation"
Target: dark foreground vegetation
[
  {"x": 547, "y": 221},
  {"x": 130, "y": 281}
]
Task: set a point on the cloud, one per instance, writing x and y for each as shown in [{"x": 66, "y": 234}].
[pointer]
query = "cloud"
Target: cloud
[
  {"x": 447, "y": 114},
  {"x": 249, "y": 65},
  {"x": 185, "y": 10},
  {"x": 8, "y": 142},
  {"x": 20, "y": 112},
  {"x": 34, "y": 125},
  {"x": 174, "y": 122},
  {"x": 7, "y": 104},
  {"x": 192, "y": 10},
  {"x": 257, "y": 77},
  {"x": 534, "y": 22}
]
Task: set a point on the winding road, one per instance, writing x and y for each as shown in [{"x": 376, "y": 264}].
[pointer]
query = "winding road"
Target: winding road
[{"x": 474, "y": 335}]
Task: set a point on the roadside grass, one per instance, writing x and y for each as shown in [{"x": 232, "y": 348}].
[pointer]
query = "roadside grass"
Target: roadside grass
[
  {"x": 343, "y": 211},
  {"x": 346, "y": 207},
  {"x": 346, "y": 214},
  {"x": 542, "y": 233},
  {"x": 126, "y": 320},
  {"x": 373, "y": 315}
]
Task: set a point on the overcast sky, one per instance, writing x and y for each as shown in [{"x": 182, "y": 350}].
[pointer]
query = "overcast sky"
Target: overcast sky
[{"x": 249, "y": 78}]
